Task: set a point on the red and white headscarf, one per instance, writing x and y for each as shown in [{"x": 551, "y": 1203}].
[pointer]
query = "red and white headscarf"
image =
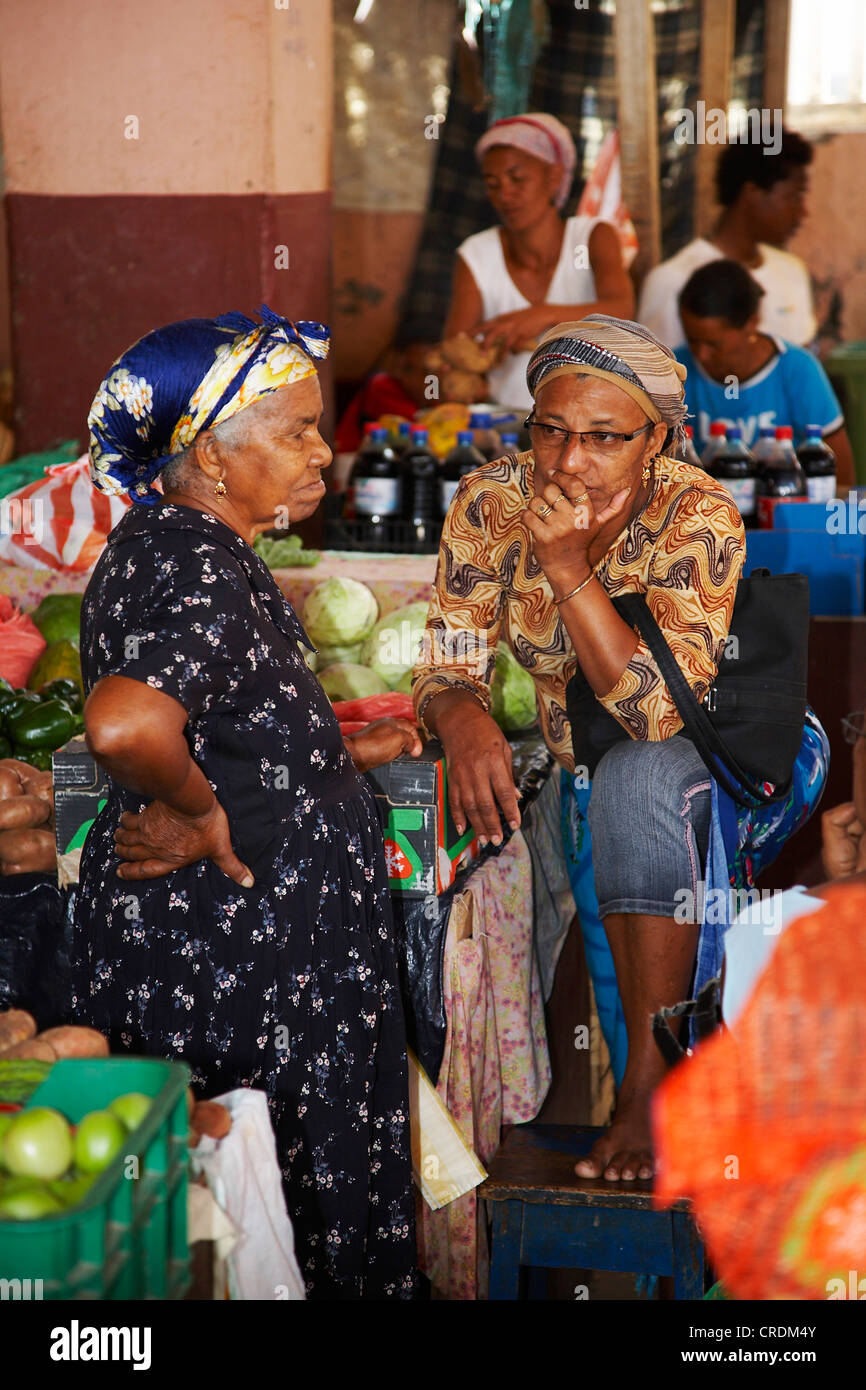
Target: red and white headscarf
[{"x": 538, "y": 134}]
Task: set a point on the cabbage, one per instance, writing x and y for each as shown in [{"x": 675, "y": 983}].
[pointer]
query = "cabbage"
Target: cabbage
[
  {"x": 347, "y": 651},
  {"x": 311, "y": 658},
  {"x": 339, "y": 611},
  {"x": 404, "y": 684},
  {"x": 512, "y": 693},
  {"x": 346, "y": 681},
  {"x": 394, "y": 645}
]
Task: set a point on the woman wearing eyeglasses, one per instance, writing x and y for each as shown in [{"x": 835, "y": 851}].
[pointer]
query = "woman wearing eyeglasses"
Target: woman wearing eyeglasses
[{"x": 533, "y": 549}]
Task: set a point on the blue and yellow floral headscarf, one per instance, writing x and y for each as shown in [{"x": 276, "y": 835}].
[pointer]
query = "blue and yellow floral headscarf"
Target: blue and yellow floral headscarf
[{"x": 184, "y": 378}]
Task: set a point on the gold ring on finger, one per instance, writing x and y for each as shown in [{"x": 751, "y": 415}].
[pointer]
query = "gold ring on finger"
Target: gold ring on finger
[
  {"x": 584, "y": 497},
  {"x": 544, "y": 510}
]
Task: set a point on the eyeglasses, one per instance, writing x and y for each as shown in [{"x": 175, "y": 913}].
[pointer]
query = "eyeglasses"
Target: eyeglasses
[
  {"x": 551, "y": 439},
  {"x": 854, "y": 726}
]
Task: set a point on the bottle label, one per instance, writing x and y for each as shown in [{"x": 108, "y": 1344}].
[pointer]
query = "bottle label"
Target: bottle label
[
  {"x": 377, "y": 496},
  {"x": 447, "y": 490},
  {"x": 743, "y": 492},
  {"x": 822, "y": 489},
  {"x": 767, "y": 507}
]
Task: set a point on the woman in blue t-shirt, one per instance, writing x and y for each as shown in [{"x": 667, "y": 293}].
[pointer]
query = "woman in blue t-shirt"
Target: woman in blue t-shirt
[{"x": 748, "y": 378}]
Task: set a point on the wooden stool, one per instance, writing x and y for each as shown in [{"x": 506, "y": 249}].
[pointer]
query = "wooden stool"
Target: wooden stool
[{"x": 545, "y": 1215}]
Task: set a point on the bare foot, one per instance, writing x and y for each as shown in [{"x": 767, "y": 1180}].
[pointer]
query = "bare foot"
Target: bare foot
[{"x": 623, "y": 1152}]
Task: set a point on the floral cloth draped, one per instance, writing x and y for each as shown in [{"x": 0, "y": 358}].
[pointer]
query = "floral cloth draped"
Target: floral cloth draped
[{"x": 496, "y": 1067}]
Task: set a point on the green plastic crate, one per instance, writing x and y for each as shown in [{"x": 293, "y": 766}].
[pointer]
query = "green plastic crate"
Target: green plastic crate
[
  {"x": 127, "y": 1237},
  {"x": 846, "y": 368}
]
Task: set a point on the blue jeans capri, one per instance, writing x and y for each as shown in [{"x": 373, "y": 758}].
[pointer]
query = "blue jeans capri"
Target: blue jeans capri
[{"x": 649, "y": 817}]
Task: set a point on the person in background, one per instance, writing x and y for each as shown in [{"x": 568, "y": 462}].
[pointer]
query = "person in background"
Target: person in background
[
  {"x": 747, "y": 377},
  {"x": 514, "y": 281},
  {"x": 763, "y": 200}
]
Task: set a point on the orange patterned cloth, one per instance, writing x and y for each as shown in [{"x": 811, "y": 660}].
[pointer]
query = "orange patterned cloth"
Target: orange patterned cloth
[
  {"x": 684, "y": 551},
  {"x": 765, "y": 1126}
]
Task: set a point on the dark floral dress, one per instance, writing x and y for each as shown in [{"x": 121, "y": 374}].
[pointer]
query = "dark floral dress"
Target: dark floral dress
[{"x": 291, "y": 985}]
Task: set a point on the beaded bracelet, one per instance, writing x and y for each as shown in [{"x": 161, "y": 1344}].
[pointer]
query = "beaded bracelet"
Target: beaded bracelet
[{"x": 572, "y": 593}]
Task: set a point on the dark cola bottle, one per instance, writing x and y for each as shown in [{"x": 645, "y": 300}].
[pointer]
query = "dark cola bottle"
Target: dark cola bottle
[
  {"x": 421, "y": 490},
  {"x": 818, "y": 463},
  {"x": 463, "y": 458},
  {"x": 780, "y": 478},
  {"x": 734, "y": 466},
  {"x": 377, "y": 489}
]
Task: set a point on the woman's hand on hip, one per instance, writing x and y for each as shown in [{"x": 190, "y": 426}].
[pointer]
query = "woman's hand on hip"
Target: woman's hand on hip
[
  {"x": 563, "y": 525},
  {"x": 382, "y": 741},
  {"x": 159, "y": 840},
  {"x": 480, "y": 777}
]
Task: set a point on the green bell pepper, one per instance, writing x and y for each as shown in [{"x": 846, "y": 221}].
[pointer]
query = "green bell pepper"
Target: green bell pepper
[
  {"x": 5, "y": 747},
  {"x": 47, "y": 725},
  {"x": 63, "y": 689},
  {"x": 23, "y": 700}
]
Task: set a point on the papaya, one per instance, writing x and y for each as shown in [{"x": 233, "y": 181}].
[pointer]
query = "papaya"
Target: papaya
[
  {"x": 58, "y": 618},
  {"x": 59, "y": 661}
]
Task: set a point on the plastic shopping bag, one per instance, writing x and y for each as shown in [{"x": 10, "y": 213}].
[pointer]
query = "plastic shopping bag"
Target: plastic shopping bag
[{"x": 58, "y": 522}]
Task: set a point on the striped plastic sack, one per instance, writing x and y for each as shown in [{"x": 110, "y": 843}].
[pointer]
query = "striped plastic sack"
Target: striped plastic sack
[
  {"x": 602, "y": 196},
  {"x": 58, "y": 522}
]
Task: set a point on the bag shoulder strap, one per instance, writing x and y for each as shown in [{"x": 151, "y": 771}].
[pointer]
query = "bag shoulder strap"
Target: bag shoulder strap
[{"x": 697, "y": 723}]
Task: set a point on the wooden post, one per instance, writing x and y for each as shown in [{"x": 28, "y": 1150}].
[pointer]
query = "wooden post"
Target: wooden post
[
  {"x": 718, "y": 19},
  {"x": 634, "y": 41},
  {"x": 777, "y": 24}
]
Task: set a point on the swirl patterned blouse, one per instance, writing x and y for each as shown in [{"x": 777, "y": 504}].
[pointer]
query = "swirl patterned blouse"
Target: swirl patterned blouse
[{"x": 684, "y": 551}]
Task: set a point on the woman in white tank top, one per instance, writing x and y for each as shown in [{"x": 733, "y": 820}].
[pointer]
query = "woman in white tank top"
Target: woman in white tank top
[{"x": 514, "y": 281}]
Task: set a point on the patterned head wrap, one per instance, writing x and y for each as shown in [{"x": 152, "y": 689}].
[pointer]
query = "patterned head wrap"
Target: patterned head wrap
[
  {"x": 537, "y": 134},
  {"x": 182, "y": 379},
  {"x": 620, "y": 351}
]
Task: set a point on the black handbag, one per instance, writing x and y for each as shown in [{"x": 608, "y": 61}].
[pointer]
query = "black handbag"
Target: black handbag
[{"x": 749, "y": 728}]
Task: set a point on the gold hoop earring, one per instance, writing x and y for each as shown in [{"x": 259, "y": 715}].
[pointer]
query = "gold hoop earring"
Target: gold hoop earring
[
  {"x": 220, "y": 489},
  {"x": 647, "y": 469}
]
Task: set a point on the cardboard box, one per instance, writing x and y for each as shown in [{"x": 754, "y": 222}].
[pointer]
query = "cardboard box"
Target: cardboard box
[
  {"x": 422, "y": 847},
  {"x": 80, "y": 792}
]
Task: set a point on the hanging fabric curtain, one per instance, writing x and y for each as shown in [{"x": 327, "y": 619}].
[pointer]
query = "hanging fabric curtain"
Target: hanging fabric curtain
[{"x": 513, "y": 31}]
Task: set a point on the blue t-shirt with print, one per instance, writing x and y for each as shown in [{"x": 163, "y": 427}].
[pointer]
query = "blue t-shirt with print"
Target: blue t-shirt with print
[{"x": 791, "y": 389}]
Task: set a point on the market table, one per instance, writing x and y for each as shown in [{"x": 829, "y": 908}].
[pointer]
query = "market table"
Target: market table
[{"x": 394, "y": 579}]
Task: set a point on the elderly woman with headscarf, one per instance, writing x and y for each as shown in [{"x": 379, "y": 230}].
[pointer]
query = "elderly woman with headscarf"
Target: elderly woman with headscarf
[
  {"x": 515, "y": 281},
  {"x": 233, "y": 907},
  {"x": 534, "y": 548}
]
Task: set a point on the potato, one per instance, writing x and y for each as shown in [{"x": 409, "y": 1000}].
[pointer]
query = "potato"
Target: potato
[
  {"x": 72, "y": 1041},
  {"x": 16, "y": 1026},
  {"x": 10, "y": 783},
  {"x": 27, "y": 852},
  {"x": 23, "y": 812},
  {"x": 466, "y": 355},
  {"x": 33, "y": 780},
  {"x": 34, "y": 1050},
  {"x": 463, "y": 386}
]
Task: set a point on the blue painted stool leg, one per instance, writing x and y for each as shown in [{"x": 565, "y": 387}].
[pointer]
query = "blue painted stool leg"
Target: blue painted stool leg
[
  {"x": 688, "y": 1257},
  {"x": 505, "y": 1251}
]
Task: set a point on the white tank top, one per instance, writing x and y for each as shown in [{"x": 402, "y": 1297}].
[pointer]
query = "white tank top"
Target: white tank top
[{"x": 573, "y": 283}]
